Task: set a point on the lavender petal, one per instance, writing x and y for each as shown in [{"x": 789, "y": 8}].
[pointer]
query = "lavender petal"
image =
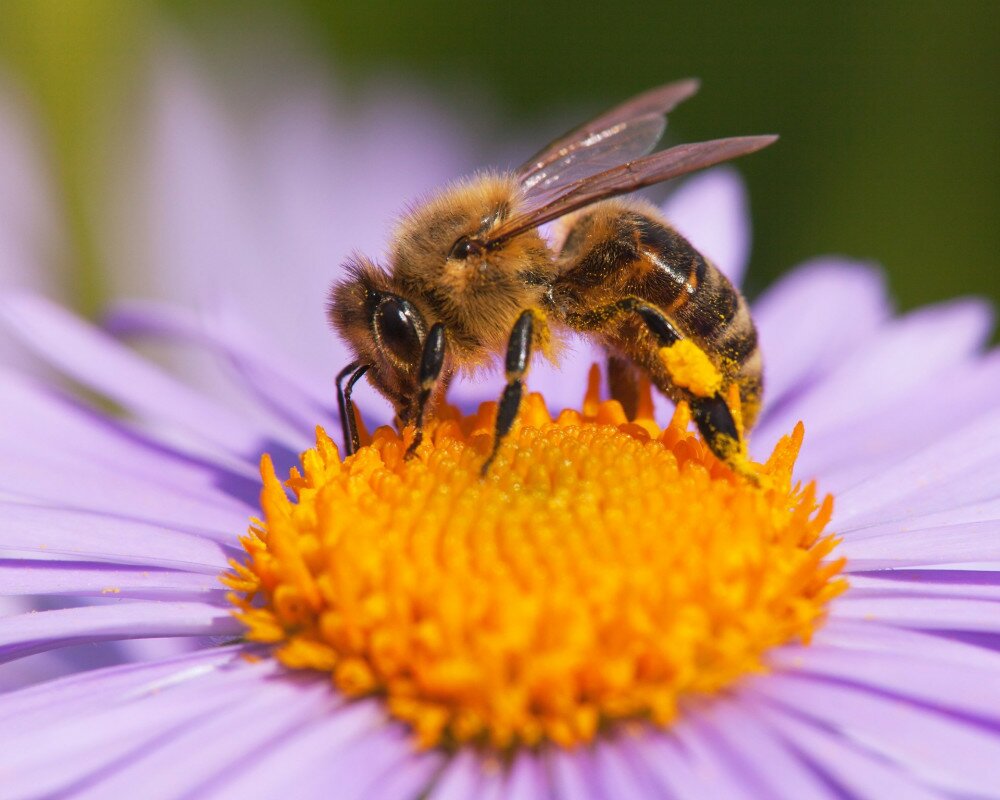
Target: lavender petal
[
  {"x": 926, "y": 681},
  {"x": 80, "y": 535},
  {"x": 947, "y": 753},
  {"x": 22, "y": 577},
  {"x": 25, "y": 634},
  {"x": 106, "y": 366},
  {"x": 862, "y": 775}
]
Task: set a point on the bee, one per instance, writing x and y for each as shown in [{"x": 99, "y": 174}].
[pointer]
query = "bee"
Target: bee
[{"x": 470, "y": 278}]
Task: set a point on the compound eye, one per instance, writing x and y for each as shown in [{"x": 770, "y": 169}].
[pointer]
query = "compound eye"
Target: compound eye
[
  {"x": 399, "y": 332},
  {"x": 465, "y": 247}
]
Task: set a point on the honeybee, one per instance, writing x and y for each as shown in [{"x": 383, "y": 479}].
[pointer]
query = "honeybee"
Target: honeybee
[{"x": 471, "y": 277}]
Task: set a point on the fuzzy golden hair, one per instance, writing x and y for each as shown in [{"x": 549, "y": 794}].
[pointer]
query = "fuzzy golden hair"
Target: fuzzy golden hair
[{"x": 479, "y": 297}]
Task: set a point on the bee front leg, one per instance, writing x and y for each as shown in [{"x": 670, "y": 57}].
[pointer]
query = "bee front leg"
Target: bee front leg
[
  {"x": 431, "y": 361},
  {"x": 348, "y": 423},
  {"x": 516, "y": 366}
]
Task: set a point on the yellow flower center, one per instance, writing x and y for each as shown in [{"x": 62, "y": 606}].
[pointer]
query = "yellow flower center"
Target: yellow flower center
[{"x": 603, "y": 570}]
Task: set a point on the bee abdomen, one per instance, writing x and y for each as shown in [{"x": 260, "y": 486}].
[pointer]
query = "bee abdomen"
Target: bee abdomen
[{"x": 708, "y": 309}]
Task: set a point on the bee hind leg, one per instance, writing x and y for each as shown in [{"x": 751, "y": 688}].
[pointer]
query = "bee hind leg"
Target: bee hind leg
[
  {"x": 431, "y": 361},
  {"x": 515, "y": 366},
  {"x": 711, "y": 413}
]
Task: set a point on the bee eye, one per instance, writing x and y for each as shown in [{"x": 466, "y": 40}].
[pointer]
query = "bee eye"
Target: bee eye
[
  {"x": 398, "y": 329},
  {"x": 465, "y": 247}
]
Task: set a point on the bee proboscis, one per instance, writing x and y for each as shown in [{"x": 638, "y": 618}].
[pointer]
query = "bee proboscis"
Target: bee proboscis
[{"x": 471, "y": 277}]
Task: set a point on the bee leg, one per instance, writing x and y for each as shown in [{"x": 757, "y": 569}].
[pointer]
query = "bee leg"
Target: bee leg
[
  {"x": 515, "y": 365},
  {"x": 348, "y": 424},
  {"x": 711, "y": 413},
  {"x": 623, "y": 384},
  {"x": 431, "y": 361}
]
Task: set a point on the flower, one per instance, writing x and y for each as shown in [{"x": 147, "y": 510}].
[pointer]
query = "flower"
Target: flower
[{"x": 138, "y": 515}]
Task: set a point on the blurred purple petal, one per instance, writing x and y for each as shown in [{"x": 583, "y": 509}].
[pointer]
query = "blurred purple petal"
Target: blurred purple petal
[
  {"x": 460, "y": 779},
  {"x": 772, "y": 767},
  {"x": 45, "y": 630},
  {"x": 526, "y": 779},
  {"x": 42, "y": 760},
  {"x": 49, "y": 436},
  {"x": 410, "y": 778},
  {"x": 622, "y": 778},
  {"x": 802, "y": 327},
  {"x": 87, "y": 691},
  {"x": 47, "y": 532},
  {"x": 925, "y": 613},
  {"x": 882, "y": 374},
  {"x": 944, "y": 751},
  {"x": 218, "y": 748},
  {"x": 922, "y": 680},
  {"x": 687, "y": 770},
  {"x": 912, "y": 547},
  {"x": 847, "y": 455},
  {"x": 860, "y": 774},
  {"x": 574, "y": 774},
  {"x": 119, "y": 582},
  {"x": 712, "y": 211},
  {"x": 290, "y": 394},
  {"x": 954, "y": 472},
  {"x": 104, "y": 365}
]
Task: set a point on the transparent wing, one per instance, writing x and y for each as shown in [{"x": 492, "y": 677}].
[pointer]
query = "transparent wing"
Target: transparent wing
[
  {"x": 541, "y": 207},
  {"x": 602, "y": 150},
  {"x": 624, "y": 133}
]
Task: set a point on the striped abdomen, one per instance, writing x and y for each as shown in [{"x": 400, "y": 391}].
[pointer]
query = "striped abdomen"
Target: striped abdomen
[{"x": 626, "y": 249}]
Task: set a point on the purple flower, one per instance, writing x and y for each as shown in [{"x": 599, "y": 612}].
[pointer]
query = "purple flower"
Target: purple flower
[{"x": 125, "y": 522}]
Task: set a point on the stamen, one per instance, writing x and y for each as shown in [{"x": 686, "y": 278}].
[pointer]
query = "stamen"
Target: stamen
[{"x": 603, "y": 570}]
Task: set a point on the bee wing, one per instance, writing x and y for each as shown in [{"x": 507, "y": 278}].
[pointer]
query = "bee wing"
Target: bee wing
[
  {"x": 538, "y": 208},
  {"x": 624, "y": 133}
]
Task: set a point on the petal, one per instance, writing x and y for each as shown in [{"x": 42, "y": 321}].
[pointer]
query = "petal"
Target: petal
[
  {"x": 871, "y": 637},
  {"x": 954, "y": 472},
  {"x": 875, "y": 441},
  {"x": 773, "y": 768},
  {"x": 928, "y": 613},
  {"x": 90, "y": 690},
  {"x": 901, "y": 546},
  {"x": 862, "y": 775},
  {"x": 47, "y": 532},
  {"x": 37, "y": 632},
  {"x": 50, "y": 439},
  {"x": 948, "y": 753},
  {"x": 459, "y": 780},
  {"x": 21, "y": 577},
  {"x": 526, "y": 779},
  {"x": 880, "y": 374},
  {"x": 711, "y": 210},
  {"x": 298, "y": 399},
  {"x": 43, "y": 760},
  {"x": 102, "y": 364},
  {"x": 574, "y": 774},
  {"x": 212, "y": 747},
  {"x": 801, "y": 324},
  {"x": 687, "y": 768},
  {"x": 957, "y": 583},
  {"x": 410, "y": 778},
  {"x": 620, "y": 776},
  {"x": 972, "y": 690}
]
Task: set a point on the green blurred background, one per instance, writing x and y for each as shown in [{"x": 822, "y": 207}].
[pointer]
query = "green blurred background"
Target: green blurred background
[{"x": 889, "y": 112}]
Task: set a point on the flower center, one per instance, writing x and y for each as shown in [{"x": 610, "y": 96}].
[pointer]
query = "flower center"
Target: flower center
[{"x": 603, "y": 570}]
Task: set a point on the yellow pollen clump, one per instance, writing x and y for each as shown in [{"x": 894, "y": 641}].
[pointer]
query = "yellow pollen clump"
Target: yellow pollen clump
[
  {"x": 690, "y": 368},
  {"x": 603, "y": 570}
]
